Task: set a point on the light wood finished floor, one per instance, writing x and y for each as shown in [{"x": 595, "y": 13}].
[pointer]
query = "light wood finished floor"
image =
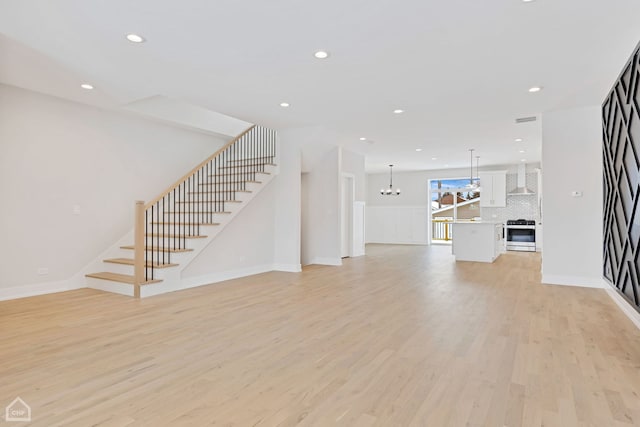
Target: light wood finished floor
[{"x": 401, "y": 337}]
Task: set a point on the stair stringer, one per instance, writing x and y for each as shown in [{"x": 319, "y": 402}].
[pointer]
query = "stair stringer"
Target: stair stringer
[{"x": 172, "y": 277}]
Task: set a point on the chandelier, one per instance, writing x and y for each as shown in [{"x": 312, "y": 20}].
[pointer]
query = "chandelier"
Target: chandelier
[{"x": 390, "y": 191}]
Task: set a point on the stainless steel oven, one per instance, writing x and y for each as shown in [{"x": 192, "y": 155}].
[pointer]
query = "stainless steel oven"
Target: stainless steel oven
[{"x": 520, "y": 235}]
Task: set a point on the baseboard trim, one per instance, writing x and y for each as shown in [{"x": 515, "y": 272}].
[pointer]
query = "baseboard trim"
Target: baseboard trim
[
  {"x": 326, "y": 261},
  {"x": 579, "y": 281},
  {"x": 626, "y": 308},
  {"x": 208, "y": 279},
  {"x": 421, "y": 243},
  {"x": 36, "y": 289},
  {"x": 289, "y": 268}
]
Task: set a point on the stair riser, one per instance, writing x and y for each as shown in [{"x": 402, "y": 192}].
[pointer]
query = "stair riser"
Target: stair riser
[
  {"x": 196, "y": 216},
  {"x": 220, "y": 185},
  {"x": 200, "y": 208},
  {"x": 118, "y": 268},
  {"x": 110, "y": 286},
  {"x": 170, "y": 242},
  {"x": 249, "y": 161},
  {"x": 159, "y": 273},
  {"x": 230, "y": 181},
  {"x": 174, "y": 258},
  {"x": 242, "y": 170},
  {"x": 210, "y": 197},
  {"x": 178, "y": 229},
  {"x": 251, "y": 186}
]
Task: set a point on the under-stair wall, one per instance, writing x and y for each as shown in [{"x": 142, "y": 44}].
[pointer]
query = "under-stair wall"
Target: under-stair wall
[
  {"x": 71, "y": 173},
  {"x": 175, "y": 227}
]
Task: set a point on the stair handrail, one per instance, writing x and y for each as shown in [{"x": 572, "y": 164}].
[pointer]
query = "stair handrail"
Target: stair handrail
[{"x": 197, "y": 168}]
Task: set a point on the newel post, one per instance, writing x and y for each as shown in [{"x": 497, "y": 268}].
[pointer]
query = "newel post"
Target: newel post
[{"x": 138, "y": 256}]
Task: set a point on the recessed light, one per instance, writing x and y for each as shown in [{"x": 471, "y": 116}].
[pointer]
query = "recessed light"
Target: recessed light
[
  {"x": 527, "y": 1},
  {"x": 418, "y": 149},
  {"x": 135, "y": 38},
  {"x": 321, "y": 54},
  {"x": 86, "y": 86},
  {"x": 522, "y": 151},
  {"x": 398, "y": 111},
  {"x": 535, "y": 89},
  {"x": 446, "y": 166},
  {"x": 363, "y": 139},
  {"x": 518, "y": 139},
  {"x": 434, "y": 158},
  {"x": 523, "y": 160},
  {"x": 284, "y": 104}
]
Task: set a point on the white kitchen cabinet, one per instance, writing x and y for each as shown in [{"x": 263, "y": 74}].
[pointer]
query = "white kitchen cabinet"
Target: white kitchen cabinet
[
  {"x": 493, "y": 189},
  {"x": 539, "y": 238},
  {"x": 477, "y": 241}
]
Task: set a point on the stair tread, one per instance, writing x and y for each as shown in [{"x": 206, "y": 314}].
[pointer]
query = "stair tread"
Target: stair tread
[
  {"x": 196, "y": 213},
  {"x": 211, "y": 201},
  {"x": 251, "y": 158},
  {"x": 131, "y": 261},
  {"x": 219, "y": 191},
  {"x": 240, "y": 173},
  {"x": 177, "y": 236},
  {"x": 231, "y": 182},
  {"x": 122, "y": 278},
  {"x": 159, "y": 249},
  {"x": 248, "y": 164}
]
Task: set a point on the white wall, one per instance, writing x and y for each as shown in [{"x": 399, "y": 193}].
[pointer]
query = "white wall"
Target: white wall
[
  {"x": 55, "y": 155},
  {"x": 414, "y": 184},
  {"x": 405, "y": 225},
  {"x": 353, "y": 163},
  {"x": 263, "y": 237},
  {"x": 572, "y": 161},
  {"x": 321, "y": 211},
  {"x": 404, "y": 219},
  {"x": 245, "y": 245},
  {"x": 288, "y": 203}
]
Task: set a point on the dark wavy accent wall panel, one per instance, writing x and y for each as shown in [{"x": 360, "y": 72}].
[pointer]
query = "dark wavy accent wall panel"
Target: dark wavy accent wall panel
[{"x": 621, "y": 157}]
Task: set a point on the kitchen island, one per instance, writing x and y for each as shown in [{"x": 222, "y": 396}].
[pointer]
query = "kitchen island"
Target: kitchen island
[{"x": 480, "y": 241}]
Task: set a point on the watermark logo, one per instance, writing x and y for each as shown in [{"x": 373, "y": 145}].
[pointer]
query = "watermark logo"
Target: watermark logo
[{"x": 18, "y": 410}]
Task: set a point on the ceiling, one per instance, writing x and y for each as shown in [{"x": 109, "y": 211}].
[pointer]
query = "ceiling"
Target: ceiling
[{"x": 460, "y": 69}]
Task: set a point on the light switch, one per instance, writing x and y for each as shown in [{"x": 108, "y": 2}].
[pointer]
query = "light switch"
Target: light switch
[
  {"x": 576, "y": 194},
  {"x": 76, "y": 209}
]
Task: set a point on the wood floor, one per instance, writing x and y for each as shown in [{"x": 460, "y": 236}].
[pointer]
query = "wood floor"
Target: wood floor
[{"x": 401, "y": 337}]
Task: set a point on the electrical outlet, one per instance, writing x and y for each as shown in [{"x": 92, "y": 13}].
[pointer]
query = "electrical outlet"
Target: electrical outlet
[
  {"x": 576, "y": 193},
  {"x": 42, "y": 271}
]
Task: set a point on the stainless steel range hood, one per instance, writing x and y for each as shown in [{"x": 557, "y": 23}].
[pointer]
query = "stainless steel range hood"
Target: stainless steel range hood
[{"x": 521, "y": 189}]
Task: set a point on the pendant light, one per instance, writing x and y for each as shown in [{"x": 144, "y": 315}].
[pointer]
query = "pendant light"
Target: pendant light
[
  {"x": 471, "y": 184},
  {"x": 390, "y": 191}
]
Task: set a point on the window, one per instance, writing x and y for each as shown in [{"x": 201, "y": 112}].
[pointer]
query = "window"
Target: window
[{"x": 452, "y": 200}]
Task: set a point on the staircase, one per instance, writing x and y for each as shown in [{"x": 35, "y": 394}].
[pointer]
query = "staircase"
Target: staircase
[{"x": 172, "y": 229}]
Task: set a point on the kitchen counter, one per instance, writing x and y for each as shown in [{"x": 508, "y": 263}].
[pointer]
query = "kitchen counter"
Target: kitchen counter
[{"x": 479, "y": 241}]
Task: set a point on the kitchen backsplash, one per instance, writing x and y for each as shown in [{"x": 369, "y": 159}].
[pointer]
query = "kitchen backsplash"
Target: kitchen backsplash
[{"x": 525, "y": 207}]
